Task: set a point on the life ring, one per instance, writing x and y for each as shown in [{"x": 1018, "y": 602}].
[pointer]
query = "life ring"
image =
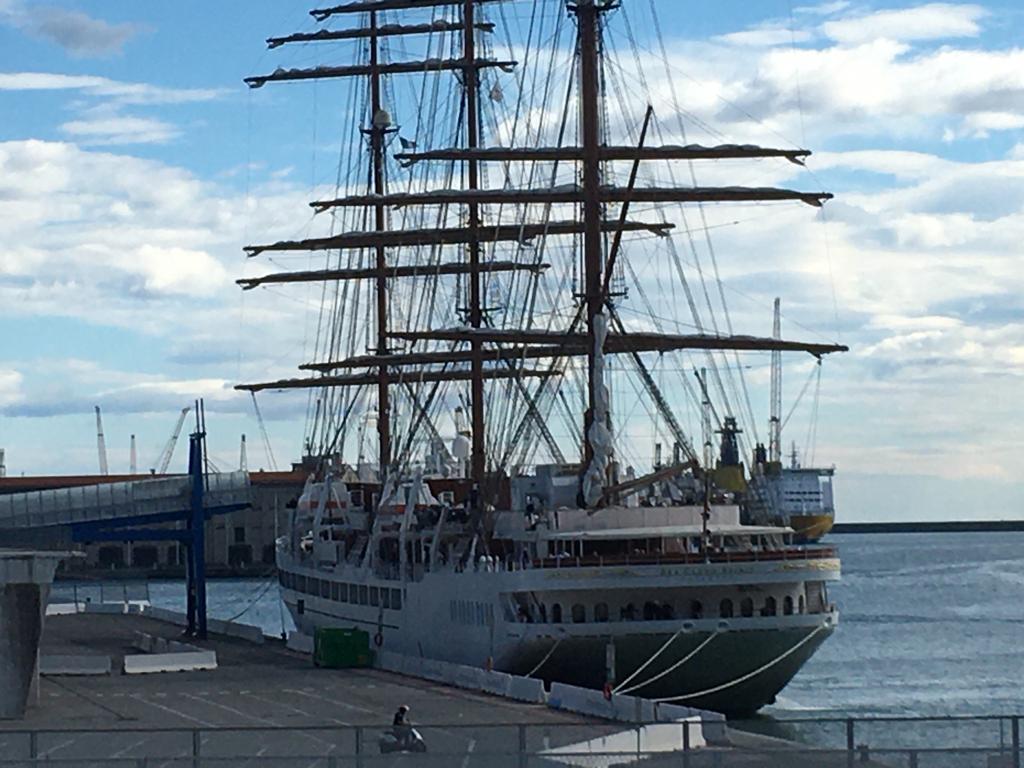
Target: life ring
[
  {"x": 607, "y": 691},
  {"x": 378, "y": 639}
]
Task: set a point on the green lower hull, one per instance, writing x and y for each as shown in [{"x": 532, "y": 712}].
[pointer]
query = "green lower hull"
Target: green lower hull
[{"x": 730, "y": 656}]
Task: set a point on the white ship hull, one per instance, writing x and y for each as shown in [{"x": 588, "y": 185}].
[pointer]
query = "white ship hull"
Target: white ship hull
[{"x": 471, "y": 618}]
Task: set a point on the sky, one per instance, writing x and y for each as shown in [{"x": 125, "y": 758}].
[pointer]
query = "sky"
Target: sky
[{"x": 135, "y": 165}]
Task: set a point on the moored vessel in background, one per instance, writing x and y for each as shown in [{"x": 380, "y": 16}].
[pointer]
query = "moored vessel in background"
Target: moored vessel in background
[{"x": 794, "y": 496}]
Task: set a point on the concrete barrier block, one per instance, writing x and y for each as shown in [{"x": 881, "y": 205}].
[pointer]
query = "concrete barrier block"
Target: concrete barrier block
[
  {"x": 143, "y": 664},
  {"x": 654, "y": 738},
  {"x": 217, "y": 626},
  {"x": 300, "y": 643},
  {"x": 411, "y": 666},
  {"x": 142, "y": 641},
  {"x": 438, "y": 671},
  {"x": 163, "y": 614},
  {"x": 390, "y": 661},
  {"x": 527, "y": 689},
  {"x": 74, "y": 665},
  {"x": 105, "y": 608},
  {"x": 247, "y": 632},
  {"x": 712, "y": 724},
  {"x": 670, "y": 713},
  {"x": 468, "y": 678},
  {"x": 668, "y": 737},
  {"x": 581, "y": 700},
  {"x": 632, "y": 709},
  {"x": 61, "y": 609},
  {"x": 497, "y": 683}
]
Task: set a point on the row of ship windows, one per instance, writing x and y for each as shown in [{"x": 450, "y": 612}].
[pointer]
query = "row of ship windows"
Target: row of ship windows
[
  {"x": 653, "y": 612},
  {"x": 471, "y": 612},
  {"x": 339, "y": 592}
]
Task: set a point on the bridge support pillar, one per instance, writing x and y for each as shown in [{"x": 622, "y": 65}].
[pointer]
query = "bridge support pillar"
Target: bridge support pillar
[
  {"x": 25, "y": 579},
  {"x": 195, "y": 570}
]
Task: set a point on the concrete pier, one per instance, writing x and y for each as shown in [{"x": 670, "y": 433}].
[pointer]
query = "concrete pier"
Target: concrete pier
[
  {"x": 25, "y": 579},
  {"x": 267, "y": 706}
]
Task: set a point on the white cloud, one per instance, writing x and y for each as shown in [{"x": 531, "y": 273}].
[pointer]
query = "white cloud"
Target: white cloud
[
  {"x": 931, "y": 21},
  {"x": 878, "y": 88},
  {"x": 823, "y": 9},
  {"x": 178, "y": 270},
  {"x": 111, "y": 129},
  {"x": 120, "y": 91},
  {"x": 10, "y": 387},
  {"x": 765, "y": 36},
  {"x": 78, "y": 33},
  {"x": 120, "y": 241},
  {"x": 979, "y": 125}
]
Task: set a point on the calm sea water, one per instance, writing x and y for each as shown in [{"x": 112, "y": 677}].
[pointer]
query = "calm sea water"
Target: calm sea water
[{"x": 930, "y": 624}]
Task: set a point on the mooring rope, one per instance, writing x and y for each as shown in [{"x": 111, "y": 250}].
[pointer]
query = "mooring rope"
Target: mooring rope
[
  {"x": 743, "y": 678},
  {"x": 647, "y": 663},
  {"x": 673, "y": 668},
  {"x": 543, "y": 661}
]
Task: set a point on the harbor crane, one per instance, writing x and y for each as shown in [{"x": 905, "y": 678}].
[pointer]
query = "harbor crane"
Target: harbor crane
[
  {"x": 133, "y": 463},
  {"x": 101, "y": 443},
  {"x": 164, "y": 461},
  {"x": 775, "y": 421}
]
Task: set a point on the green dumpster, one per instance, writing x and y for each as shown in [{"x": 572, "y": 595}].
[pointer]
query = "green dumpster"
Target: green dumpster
[{"x": 342, "y": 648}]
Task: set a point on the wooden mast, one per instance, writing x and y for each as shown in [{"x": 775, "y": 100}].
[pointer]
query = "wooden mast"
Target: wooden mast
[
  {"x": 587, "y": 12},
  {"x": 481, "y": 343},
  {"x": 470, "y": 81},
  {"x": 378, "y": 126}
]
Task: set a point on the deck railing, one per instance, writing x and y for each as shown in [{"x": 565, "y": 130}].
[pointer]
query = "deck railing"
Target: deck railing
[{"x": 686, "y": 558}]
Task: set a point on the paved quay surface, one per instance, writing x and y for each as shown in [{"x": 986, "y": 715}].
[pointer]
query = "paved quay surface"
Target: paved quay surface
[
  {"x": 267, "y": 706},
  {"x": 253, "y": 686}
]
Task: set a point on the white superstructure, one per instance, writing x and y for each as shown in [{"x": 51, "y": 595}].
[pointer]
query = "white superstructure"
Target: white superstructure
[{"x": 552, "y": 589}]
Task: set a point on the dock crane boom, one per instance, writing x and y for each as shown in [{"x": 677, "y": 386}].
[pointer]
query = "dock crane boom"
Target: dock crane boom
[
  {"x": 165, "y": 457},
  {"x": 101, "y": 443}
]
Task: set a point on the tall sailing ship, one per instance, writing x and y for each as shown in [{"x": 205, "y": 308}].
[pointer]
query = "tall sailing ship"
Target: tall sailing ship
[{"x": 477, "y": 275}]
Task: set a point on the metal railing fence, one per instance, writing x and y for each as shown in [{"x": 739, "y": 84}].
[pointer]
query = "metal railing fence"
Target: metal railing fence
[
  {"x": 79, "y": 593},
  {"x": 713, "y": 757},
  {"x": 898, "y": 742}
]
